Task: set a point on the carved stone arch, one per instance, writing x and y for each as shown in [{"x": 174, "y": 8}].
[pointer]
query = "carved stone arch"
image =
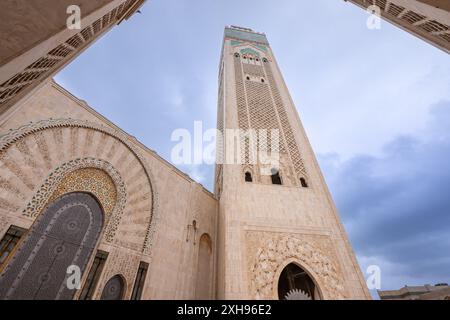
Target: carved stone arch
[
  {"x": 250, "y": 51},
  {"x": 115, "y": 288},
  {"x": 281, "y": 173},
  {"x": 204, "y": 277},
  {"x": 62, "y": 181},
  {"x": 305, "y": 268},
  {"x": 274, "y": 252},
  {"x": 260, "y": 49},
  {"x": 252, "y": 170},
  {"x": 13, "y": 136}
]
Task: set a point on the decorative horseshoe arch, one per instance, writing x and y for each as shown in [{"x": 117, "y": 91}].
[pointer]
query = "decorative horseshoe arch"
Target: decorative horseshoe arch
[
  {"x": 14, "y": 136},
  {"x": 278, "y": 251},
  {"x": 49, "y": 190}
]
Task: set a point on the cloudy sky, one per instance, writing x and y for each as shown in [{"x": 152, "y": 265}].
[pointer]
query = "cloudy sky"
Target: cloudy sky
[{"x": 375, "y": 105}]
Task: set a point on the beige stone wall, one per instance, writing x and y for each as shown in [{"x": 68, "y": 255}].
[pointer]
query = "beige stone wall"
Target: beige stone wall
[
  {"x": 51, "y": 138},
  {"x": 263, "y": 227}
]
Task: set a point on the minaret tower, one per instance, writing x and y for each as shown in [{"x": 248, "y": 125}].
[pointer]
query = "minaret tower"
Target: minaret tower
[{"x": 280, "y": 235}]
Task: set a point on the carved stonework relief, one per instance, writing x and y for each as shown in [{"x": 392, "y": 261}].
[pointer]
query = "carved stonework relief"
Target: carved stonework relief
[
  {"x": 91, "y": 180},
  {"x": 89, "y": 175},
  {"x": 268, "y": 253},
  {"x": 51, "y": 135},
  {"x": 120, "y": 262}
]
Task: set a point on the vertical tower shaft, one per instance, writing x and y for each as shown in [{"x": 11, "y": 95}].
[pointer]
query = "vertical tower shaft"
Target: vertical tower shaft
[{"x": 278, "y": 227}]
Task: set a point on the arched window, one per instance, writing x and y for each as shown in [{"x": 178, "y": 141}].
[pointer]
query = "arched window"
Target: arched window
[
  {"x": 248, "y": 177},
  {"x": 114, "y": 288},
  {"x": 139, "y": 281},
  {"x": 262, "y": 80},
  {"x": 303, "y": 183},
  {"x": 93, "y": 276},
  {"x": 265, "y": 60},
  {"x": 237, "y": 55},
  {"x": 9, "y": 243},
  {"x": 248, "y": 78},
  {"x": 296, "y": 284},
  {"x": 276, "y": 179}
]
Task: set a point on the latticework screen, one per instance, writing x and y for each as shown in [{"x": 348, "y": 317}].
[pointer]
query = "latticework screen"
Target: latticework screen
[
  {"x": 56, "y": 57},
  {"x": 437, "y": 31},
  {"x": 260, "y": 106}
]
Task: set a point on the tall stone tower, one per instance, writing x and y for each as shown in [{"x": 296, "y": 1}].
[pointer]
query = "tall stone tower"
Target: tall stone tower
[{"x": 279, "y": 232}]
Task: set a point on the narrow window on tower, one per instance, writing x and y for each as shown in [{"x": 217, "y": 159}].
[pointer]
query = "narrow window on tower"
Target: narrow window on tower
[
  {"x": 276, "y": 179},
  {"x": 139, "y": 282},
  {"x": 9, "y": 242},
  {"x": 93, "y": 276},
  {"x": 303, "y": 183},
  {"x": 248, "y": 177}
]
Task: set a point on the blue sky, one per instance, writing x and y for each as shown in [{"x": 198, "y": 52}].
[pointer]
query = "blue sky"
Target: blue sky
[{"x": 375, "y": 105}]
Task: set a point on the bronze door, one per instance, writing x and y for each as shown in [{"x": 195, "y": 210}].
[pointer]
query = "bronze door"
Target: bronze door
[{"x": 65, "y": 234}]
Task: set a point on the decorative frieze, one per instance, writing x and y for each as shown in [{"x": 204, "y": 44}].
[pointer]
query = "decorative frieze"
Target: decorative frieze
[
  {"x": 269, "y": 252},
  {"x": 90, "y": 175}
]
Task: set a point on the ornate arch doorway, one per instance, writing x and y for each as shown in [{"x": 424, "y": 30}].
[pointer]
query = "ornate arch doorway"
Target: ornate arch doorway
[
  {"x": 296, "y": 284},
  {"x": 65, "y": 234}
]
